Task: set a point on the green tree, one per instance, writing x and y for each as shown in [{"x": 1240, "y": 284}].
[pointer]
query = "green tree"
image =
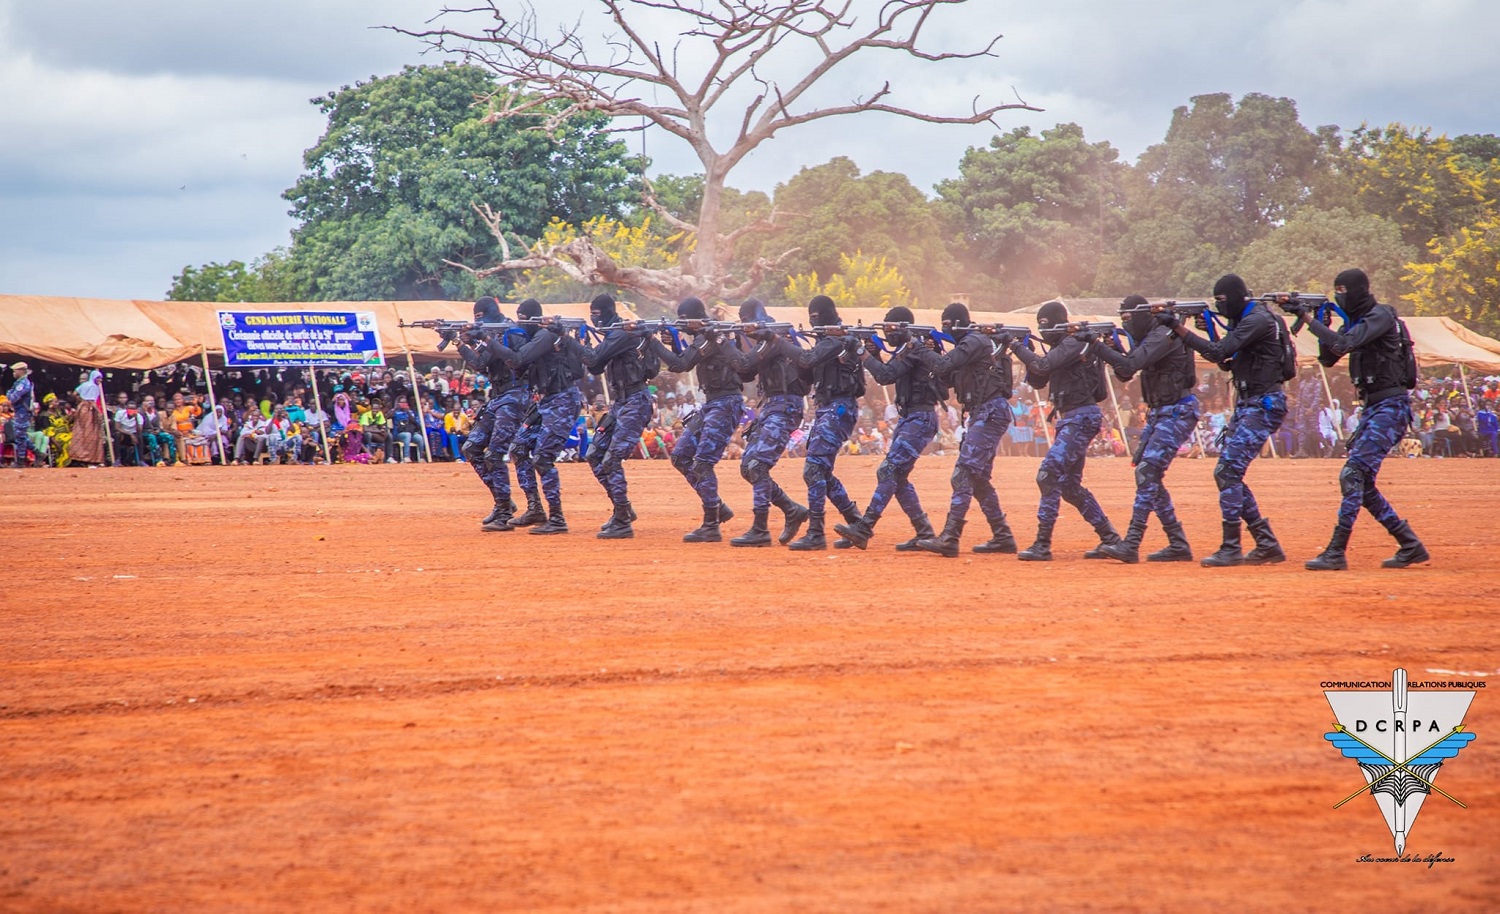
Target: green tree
[
  {"x": 263, "y": 281},
  {"x": 1461, "y": 277},
  {"x": 1035, "y": 213},
  {"x": 1420, "y": 182},
  {"x": 387, "y": 201},
  {"x": 830, "y": 210},
  {"x": 1313, "y": 246}
]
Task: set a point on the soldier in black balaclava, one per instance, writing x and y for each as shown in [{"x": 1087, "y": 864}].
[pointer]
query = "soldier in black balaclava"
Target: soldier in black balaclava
[
  {"x": 500, "y": 418},
  {"x": 979, "y": 371},
  {"x": 1383, "y": 369},
  {"x": 918, "y": 392},
  {"x": 622, "y": 359},
  {"x": 528, "y": 436},
  {"x": 781, "y": 393},
  {"x": 706, "y": 434},
  {"x": 1168, "y": 379},
  {"x": 1070, "y": 372},
  {"x": 1253, "y": 352},
  {"x": 838, "y": 381}
]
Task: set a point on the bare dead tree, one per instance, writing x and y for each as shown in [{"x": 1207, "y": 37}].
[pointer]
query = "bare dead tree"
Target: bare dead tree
[{"x": 717, "y": 46}]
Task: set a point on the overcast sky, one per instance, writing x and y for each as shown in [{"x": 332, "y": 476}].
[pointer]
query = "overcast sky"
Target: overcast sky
[{"x": 142, "y": 137}]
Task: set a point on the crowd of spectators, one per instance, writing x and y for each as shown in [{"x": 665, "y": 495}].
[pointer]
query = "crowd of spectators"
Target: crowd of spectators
[{"x": 164, "y": 418}]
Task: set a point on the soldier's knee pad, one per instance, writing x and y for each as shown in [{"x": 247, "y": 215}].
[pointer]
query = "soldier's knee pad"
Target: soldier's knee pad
[
  {"x": 962, "y": 477},
  {"x": 753, "y": 471},
  {"x": 1147, "y": 474},
  {"x": 1226, "y": 476},
  {"x": 682, "y": 463},
  {"x": 885, "y": 472},
  {"x": 700, "y": 469},
  {"x": 473, "y": 451},
  {"x": 543, "y": 467},
  {"x": 1351, "y": 479},
  {"x": 1044, "y": 478},
  {"x": 812, "y": 472}
]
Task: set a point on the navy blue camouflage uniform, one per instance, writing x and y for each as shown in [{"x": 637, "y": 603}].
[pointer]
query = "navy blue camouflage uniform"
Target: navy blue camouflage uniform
[
  {"x": 838, "y": 381},
  {"x": 1168, "y": 377},
  {"x": 500, "y": 419},
  {"x": 1383, "y": 371},
  {"x": 1071, "y": 374},
  {"x": 552, "y": 369},
  {"x": 621, "y": 359},
  {"x": 979, "y": 371},
  {"x": 1254, "y": 353},
  {"x": 781, "y": 390},
  {"x": 706, "y": 434},
  {"x": 917, "y": 394}
]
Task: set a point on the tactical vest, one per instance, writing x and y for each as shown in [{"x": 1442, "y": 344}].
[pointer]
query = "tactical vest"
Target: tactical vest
[
  {"x": 1260, "y": 369},
  {"x": 918, "y": 389},
  {"x": 1171, "y": 378},
  {"x": 629, "y": 371},
  {"x": 779, "y": 375},
  {"x": 840, "y": 378},
  {"x": 984, "y": 378},
  {"x": 1385, "y": 367},
  {"x": 716, "y": 377}
]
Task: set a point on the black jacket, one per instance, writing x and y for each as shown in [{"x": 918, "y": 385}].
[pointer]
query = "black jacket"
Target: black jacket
[
  {"x": 773, "y": 362},
  {"x": 1165, "y": 365},
  {"x": 1377, "y": 363},
  {"x": 1252, "y": 350},
  {"x": 834, "y": 367},
  {"x": 917, "y": 388},
  {"x": 1069, "y": 373},
  {"x": 717, "y": 376},
  {"x": 977, "y": 370}
]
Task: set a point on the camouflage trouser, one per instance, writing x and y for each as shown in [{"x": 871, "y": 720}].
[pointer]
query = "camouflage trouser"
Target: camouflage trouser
[
  {"x": 976, "y": 460},
  {"x": 832, "y": 426},
  {"x": 523, "y": 449},
  {"x": 618, "y": 434},
  {"x": 559, "y": 413},
  {"x": 1167, "y": 427},
  {"x": 765, "y": 440},
  {"x": 913, "y": 433},
  {"x": 702, "y": 444},
  {"x": 1252, "y": 423},
  {"x": 1380, "y": 427},
  {"x": 1060, "y": 476},
  {"x": 492, "y": 436},
  {"x": 22, "y": 429}
]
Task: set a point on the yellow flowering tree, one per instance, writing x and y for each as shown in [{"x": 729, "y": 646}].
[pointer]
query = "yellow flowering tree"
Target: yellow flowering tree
[
  {"x": 1461, "y": 278},
  {"x": 861, "y": 282}
]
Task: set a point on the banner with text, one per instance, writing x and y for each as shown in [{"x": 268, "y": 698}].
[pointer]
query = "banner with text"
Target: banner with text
[{"x": 258, "y": 339}]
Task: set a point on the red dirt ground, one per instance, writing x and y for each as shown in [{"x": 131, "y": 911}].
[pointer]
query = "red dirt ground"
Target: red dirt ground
[{"x": 323, "y": 689}]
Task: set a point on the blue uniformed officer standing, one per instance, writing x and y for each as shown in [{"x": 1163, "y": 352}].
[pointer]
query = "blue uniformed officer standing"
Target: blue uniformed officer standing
[
  {"x": 553, "y": 370},
  {"x": 500, "y": 420},
  {"x": 22, "y": 398}
]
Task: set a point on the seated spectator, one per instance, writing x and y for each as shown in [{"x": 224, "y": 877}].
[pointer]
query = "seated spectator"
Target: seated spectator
[
  {"x": 405, "y": 433},
  {"x": 217, "y": 431},
  {"x": 185, "y": 415},
  {"x": 130, "y": 447},
  {"x": 253, "y": 441},
  {"x": 376, "y": 428},
  {"x": 161, "y": 444}
]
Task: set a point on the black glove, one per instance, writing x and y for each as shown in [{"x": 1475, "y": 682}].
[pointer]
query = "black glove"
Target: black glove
[
  {"x": 1201, "y": 322},
  {"x": 872, "y": 346},
  {"x": 1088, "y": 336},
  {"x": 1168, "y": 319},
  {"x": 1003, "y": 339}
]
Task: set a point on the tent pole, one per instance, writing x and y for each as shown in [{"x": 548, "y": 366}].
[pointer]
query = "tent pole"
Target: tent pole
[
  {"x": 1464, "y": 377},
  {"x": 416, "y": 390},
  {"x": 1327, "y": 389},
  {"x": 1119, "y": 419},
  {"x": 1036, "y": 398},
  {"x": 312, "y": 373},
  {"x": 108, "y": 430},
  {"x": 213, "y": 405}
]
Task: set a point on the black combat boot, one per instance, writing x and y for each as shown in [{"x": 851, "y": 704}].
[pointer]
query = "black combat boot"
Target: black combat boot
[
  {"x": 1001, "y": 540},
  {"x": 1041, "y": 550},
  {"x": 757, "y": 535},
  {"x": 1127, "y": 550},
  {"x": 1412, "y": 551},
  {"x": 534, "y": 514},
  {"x": 619, "y": 527},
  {"x": 1332, "y": 558},
  {"x": 555, "y": 523},
  {"x": 856, "y": 532},
  {"x": 1229, "y": 551},
  {"x": 504, "y": 507},
  {"x": 709, "y": 532},
  {"x": 725, "y": 515},
  {"x": 1107, "y": 537},
  {"x": 923, "y": 528},
  {"x": 944, "y": 544},
  {"x": 1267, "y": 551},
  {"x": 795, "y": 516},
  {"x": 1177, "y": 549},
  {"x": 813, "y": 539}
]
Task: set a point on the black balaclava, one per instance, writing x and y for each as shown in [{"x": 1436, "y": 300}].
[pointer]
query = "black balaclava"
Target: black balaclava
[
  {"x": 1051, "y": 314},
  {"x": 1356, "y": 300},
  {"x": 822, "y": 313},
  {"x": 1137, "y": 323},
  {"x": 487, "y": 310},
  {"x": 530, "y": 308},
  {"x": 754, "y": 311},
  {"x": 898, "y": 315},
  {"x": 692, "y": 309},
  {"x": 1236, "y": 295},
  {"x": 602, "y": 310},
  {"x": 956, "y": 315}
]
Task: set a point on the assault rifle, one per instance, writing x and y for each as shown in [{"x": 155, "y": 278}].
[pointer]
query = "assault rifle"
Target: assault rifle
[
  {"x": 699, "y": 326},
  {"x": 1201, "y": 312},
  {"x": 1103, "y": 328},
  {"x": 449, "y": 330},
  {"x": 914, "y": 333},
  {"x": 1301, "y": 304},
  {"x": 1011, "y": 332}
]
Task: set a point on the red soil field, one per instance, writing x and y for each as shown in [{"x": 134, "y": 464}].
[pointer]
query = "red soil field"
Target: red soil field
[{"x": 324, "y": 689}]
